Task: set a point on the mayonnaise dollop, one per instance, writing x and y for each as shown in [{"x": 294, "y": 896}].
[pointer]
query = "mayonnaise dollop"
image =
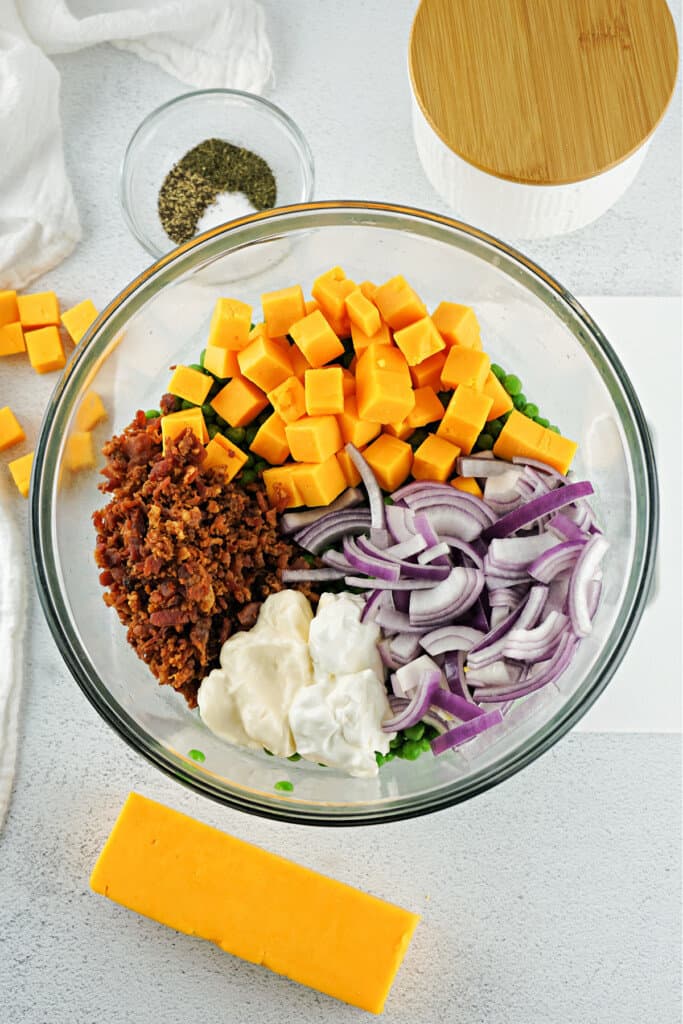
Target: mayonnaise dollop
[{"x": 339, "y": 642}]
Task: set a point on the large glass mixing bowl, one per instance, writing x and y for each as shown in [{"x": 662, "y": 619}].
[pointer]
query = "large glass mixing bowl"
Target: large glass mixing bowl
[{"x": 529, "y": 324}]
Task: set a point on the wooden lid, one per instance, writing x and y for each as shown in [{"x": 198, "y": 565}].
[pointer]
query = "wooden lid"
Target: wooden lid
[{"x": 543, "y": 92}]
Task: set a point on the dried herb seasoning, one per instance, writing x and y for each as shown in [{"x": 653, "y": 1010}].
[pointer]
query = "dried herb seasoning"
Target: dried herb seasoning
[{"x": 210, "y": 168}]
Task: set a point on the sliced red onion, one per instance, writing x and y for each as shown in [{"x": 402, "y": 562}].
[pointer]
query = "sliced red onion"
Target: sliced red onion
[
  {"x": 467, "y": 731},
  {"x": 496, "y": 582},
  {"x": 517, "y": 553},
  {"x": 415, "y": 494},
  {"x": 472, "y": 551},
  {"x": 556, "y": 560},
  {"x": 422, "y": 525},
  {"x": 586, "y": 566},
  {"x": 431, "y": 717},
  {"x": 430, "y": 682},
  {"x": 498, "y": 674},
  {"x": 382, "y": 568},
  {"x": 452, "y": 521},
  {"x": 454, "y": 670},
  {"x": 392, "y": 621},
  {"x": 594, "y": 591},
  {"x": 451, "y": 597},
  {"x": 290, "y": 522},
  {"x": 311, "y": 575},
  {"x": 332, "y": 528},
  {"x": 473, "y": 513},
  {"x": 507, "y": 598},
  {"x": 545, "y": 672},
  {"x": 408, "y": 677},
  {"x": 375, "y": 497},
  {"x": 472, "y": 465},
  {"x": 401, "y": 523},
  {"x": 335, "y": 560},
  {"x": 538, "y": 643},
  {"x": 524, "y": 616},
  {"x": 435, "y": 554},
  {"x": 450, "y": 638},
  {"x": 380, "y": 538},
  {"x": 386, "y": 654},
  {"x": 536, "y": 508},
  {"x": 503, "y": 486},
  {"x": 420, "y": 572},
  {"x": 405, "y": 647},
  {"x": 374, "y": 583},
  {"x": 375, "y": 601},
  {"x": 465, "y": 710},
  {"x": 477, "y": 616},
  {"x": 541, "y": 467},
  {"x": 415, "y": 545},
  {"x": 402, "y": 600}
]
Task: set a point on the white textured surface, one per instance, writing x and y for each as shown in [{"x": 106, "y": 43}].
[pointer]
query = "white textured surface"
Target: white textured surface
[{"x": 553, "y": 899}]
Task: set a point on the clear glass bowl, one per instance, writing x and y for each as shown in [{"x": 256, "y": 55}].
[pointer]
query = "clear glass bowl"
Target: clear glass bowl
[
  {"x": 529, "y": 324},
  {"x": 177, "y": 126}
]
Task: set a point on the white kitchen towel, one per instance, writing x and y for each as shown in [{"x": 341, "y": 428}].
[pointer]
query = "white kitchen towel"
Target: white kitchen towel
[
  {"x": 12, "y": 615},
  {"x": 205, "y": 43}
]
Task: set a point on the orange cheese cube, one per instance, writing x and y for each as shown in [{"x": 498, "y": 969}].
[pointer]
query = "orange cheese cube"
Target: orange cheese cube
[
  {"x": 91, "y": 411},
  {"x": 435, "y": 459},
  {"x": 45, "y": 349},
  {"x": 320, "y": 483},
  {"x": 221, "y": 362},
  {"x": 502, "y": 402},
  {"x": 465, "y": 417},
  {"x": 427, "y": 374},
  {"x": 348, "y": 468},
  {"x": 362, "y": 312},
  {"x": 457, "y": 325},
  {"x": 260, "y": 331},
  {"x": 253, "y": 904},
  {"x": 348, "y": 383},
  {"x": 265, "y": 363},
  {"x": 419, "y": 340},
  {"x": 299, "y": 362},
  {"x": 11, "y": 431},
  {"x": 281, "y": 309},
  {"x": 310, "y": 305},
  {"x": 390, "y": 460},
  {"x": 313, "y": 438},
  {"x": 9, "y": 309},
  {"x": 398, "y": 303},
  {"x": 20, "y": 470},
  {"x": 191, "y": 385},
  {"x": 468, "y": 484},
  {"x": 173, "y": 425},
  {"x": 361, "y": 340},
  {"x": 271, "y": 441},
  {"x": 230, "y": 325},
  {"x": 324, "y": 391},
  {"x": 239, "y": 402},
  {"x": 78, "y": 319},
  {"x": 316, "y": 339},
  {"x": 330, "y": 291},
  {"x": 38, "y": 310},
  {"x": 369, "y": 289},
  {"x": 11, "y": 339},
  {"x": 401, "y": 430},
  {"x": 282, "y": 486},
  {"x": 522, "y": 436},
  {"x": 427, "y": 408},
  {"x": 465, "y": 366},
  {"x": 383, "y": 387},
  {"x": 79, "y": 453},
  {"x": 355, "y": 430},
  {"x": 222, "y": 452},
  {"x": 289, "y": 399}
]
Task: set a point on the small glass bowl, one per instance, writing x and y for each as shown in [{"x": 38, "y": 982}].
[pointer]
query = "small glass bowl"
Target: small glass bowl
[{"x": 167, "y": 134}]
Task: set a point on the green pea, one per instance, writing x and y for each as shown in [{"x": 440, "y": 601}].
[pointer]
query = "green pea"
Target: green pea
[
  {"x": 197, "y": 755},
  {"x": 512, "y": 384},
  {"x": 202, "y": 357},
  {"x": 199, "y": 367},
  {"x": 415, "y": 732},
  {"x": 249, "y": 464},
  {"x": 294, "y": 757},
  {"x": 390, "y": 756},
  {"x": 187, "y": 405},
  {"x": 152, "y": 414},
  {"x": 312, "y": 560},
  {"x": 519, "y": 401},
  {"x": 498, "y": 371},
  {"x": 531, "y": 410},
  {"x": 212, "y": 429},
  {"x": 208, "y": 412},
  {"x": 542, "y": 421},
  {"x": 494, "y": 428},
  {"x": 247, "y": 476},
  {"x": 388, "y": 500},
  {"x": 250, "y": 433},
  {"x": 379, "y": 758},
  {"x": 235, "y": 434},
  {"x": 425, "y": 745},
  {"x": 555, "y": 430},
  {"x": 284, "y": 786},
  {"x": 260, "y": 465},
  {"x": 485, "y": 442},
  {"x": 410, "y": 751},
  {"x": 396, "y": 742}
]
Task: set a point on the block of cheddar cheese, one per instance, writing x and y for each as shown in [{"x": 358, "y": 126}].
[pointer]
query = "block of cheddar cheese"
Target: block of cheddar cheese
[
  {"x": 253, "y": 904},
  {"x": 523, "y": 436}
]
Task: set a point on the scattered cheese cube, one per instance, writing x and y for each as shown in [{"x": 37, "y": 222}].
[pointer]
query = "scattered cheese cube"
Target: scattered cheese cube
[
  {"x": 91, "y": 411},
  {"x": 11, "y": 431},
  {"x": 230, "y": 325},
  {"x": 353, "y": 429},
  {"x": 383, "y": 386},
  {"x": 176, "y": 422},
  {"x": 190, "y": 385},
  {"x": 313, "y": 438},
  {"x": 9, "y": 309},
  {"x": 369, "y": 289},
  {"x": 38, "y": 310},
  {"x": 79, "y": 453},
  {"x": 502, "y": 402},
  {"x": 465, "y": 417},
  {"x": 468, "y": 484},
  {"x": 316, "y": 340},
  {"x": 239, "y": 402},
  {"x": 289, "y": 399},
  {"x": 265, "y": 363},
  {"x": 321, "y": 482},
  {"x": 281, "y": 309},
  {"x": 281, "y": 485},
  {"x": 324, "y": 391},
  {"x": 78, "y": 319},
  {"x": 435, "y": 459},
  {"x": 457, "y": 325},
  {"x": 348, "y": 468},
  {"x": 362, "y": 312},
  {"x": 222, "y": 452},
  {"x": 523, "y": 436},
  {"x": 20, "y": 470},
  {"x": 390, "y": 460},
  {"x": 45, "y": 349},
  {"x": 221, "y": 362},
  {"x": 427, "y": 408},
  {"x": 465, "y": 366},
  {"x": 419, "y": 340},
  {"x": 361, "y": 340},
  {"x": 12, "y": 339},
  {"x": 427, "y": 374},
  {"x": 398, "y": 303},
  {"x": 330, "y": 291},
  {"x": 402, "y": 430},
  {"x": 270, "y": 441}
]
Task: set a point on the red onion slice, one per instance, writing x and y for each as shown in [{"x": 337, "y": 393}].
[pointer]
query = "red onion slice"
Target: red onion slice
[
  {"x": 555, "y": 560},
  {"x": 544, "y": 673},
  {"x": 585, "y": 569},
  {"x": 375, "y": 497},
  {"x": 290, "y": 522},
  {"x": 536, "y": 508},
  {"x": 311, "y": 575},
  {"x": 451, "y": 597},
  {"x": 382, "y": 568},
  {"x": 450, "y": 638},
  {"x": 420, "y": 703},
  {"x": 467, "y": 731},
  {"x": 465, "y": 710},
  {"x": 332, "y": 528},
  {"x": 538, "y": 643}
]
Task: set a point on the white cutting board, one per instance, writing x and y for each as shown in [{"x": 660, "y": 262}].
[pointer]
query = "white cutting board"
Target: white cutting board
[{"x": 645, "y": 693}]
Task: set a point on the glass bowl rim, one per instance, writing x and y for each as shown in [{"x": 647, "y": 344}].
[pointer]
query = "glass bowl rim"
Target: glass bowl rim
[
  {"x": 277, "y": 113},
  {"x": 286, "y": 808}
]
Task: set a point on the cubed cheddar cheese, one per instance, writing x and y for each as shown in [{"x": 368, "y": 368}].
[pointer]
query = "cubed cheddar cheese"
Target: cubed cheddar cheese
[
  {"x": 419, "y": 340},
  {"x": 348, "y": 468},
  {"x": 348, "y": 383},
  {"x": 38, "y": 310},
  {"x": 369, "y": 289},
  {"x": 45, "y": 349},
  {"x": 220, "y": 452},
  {"x": 355, "y": 430},
  {"x": 465, "y": 366},
  {"x": 435, "y": 459},
  {"x": 9, "y": 309},
  {"x": 79, "y": 452},
  {"x": 401, "y": 430},
  {"x": 230, "y": 325},
  {"x": 427, "y": 408},
  {"x": 282, "y": 486},
  {"x": 270, "y": 441},
  {"x": 253, "y": 904},
  {"x": 239, "y": 402},
  {"x": 390, "y": 460},
  {"x": 320, "y": 483},
  {"x": 221, "y": 362},
  {"x": 316, "y": 340},
  {"x": 427, "y": 374},
  {"x": 78, "y": 319},
  {"x": 361, "y": 340},
  {"x": 190, "y": 385},
  {"x": 465, "y": 417},
  {"x": 173, "y": 425},
  {"x": 313, "y": 438},
  {"x": 289, "y": 399},
  {"x": 468, "y": 484},
  {"x": 457, "y": 325},
  {"x": 281, "y": 309},
  {"x": 324, "y": 391},
  {"x": 310, "y": 305},
  {"x": 91, "y": 411},
  {"x": 523, "y": 436},
  {"x": 20, "y": 471},
  {"x": 384, "y": 390},
  {"x": 502, "y": 402},
  {"x": 398, "y": 303},
  {"x": 330, "y": 291},
  {"x": 299, "y": 362},
  {"x": 362, "y": 312},
  {"x": 12, "y": 339},
  {"x": 265, "y": 363},
  {"x": 11, "y": 431}
]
